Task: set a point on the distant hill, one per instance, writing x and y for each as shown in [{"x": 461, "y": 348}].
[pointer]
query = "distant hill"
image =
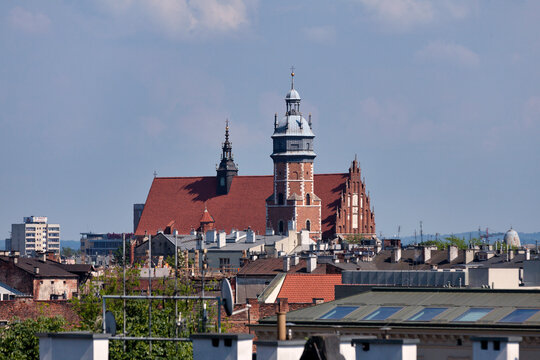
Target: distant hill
[
  {"x": 525, "y": 238},
  {"x": 74, "y": 244}
]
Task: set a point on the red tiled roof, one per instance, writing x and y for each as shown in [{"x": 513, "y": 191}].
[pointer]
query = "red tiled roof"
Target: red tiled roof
[
  {"x": 303, "y": 288},
  {"x": 182, "y": 200},
  {"x": 206, "y": 217}
]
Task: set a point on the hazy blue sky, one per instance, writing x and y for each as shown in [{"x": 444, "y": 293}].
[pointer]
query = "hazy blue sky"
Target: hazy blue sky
[{"x": 440, "y": 100}]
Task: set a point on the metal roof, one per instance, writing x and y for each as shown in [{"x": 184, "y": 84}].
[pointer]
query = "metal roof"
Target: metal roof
[{"x": 412, "y": 300}]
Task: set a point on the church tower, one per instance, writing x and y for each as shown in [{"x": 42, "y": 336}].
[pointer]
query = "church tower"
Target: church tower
[
  {"x": 293, "y": 204},
  {"x": 227, "y": 169}
]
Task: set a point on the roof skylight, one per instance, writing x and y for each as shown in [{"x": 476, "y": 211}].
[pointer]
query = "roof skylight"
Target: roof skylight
[
  {"x": 338, "y": 312},
  {"x": 473, "y": 314},
  {"x": 519, "y": 315},
  {"x": 383, "y": 313},
  {"x": 427, "y": 314}
]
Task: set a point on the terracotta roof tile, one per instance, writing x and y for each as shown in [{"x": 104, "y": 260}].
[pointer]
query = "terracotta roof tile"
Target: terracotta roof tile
[
  {"x": 303, "y": 288},
  {"x": 183, "y": 199},
  {"x": 206, "y": 217}
]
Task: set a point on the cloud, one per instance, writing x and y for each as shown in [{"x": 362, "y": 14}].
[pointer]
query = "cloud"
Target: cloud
[
  {"x": 28, "y": 22},
  {"x": 403, "y": 15},
  {"x": 400, "y": 13},
  {"x": 183, "y": 18},
  {"x": 439, "y": 51},
  {"x": 320, "y": 34}
]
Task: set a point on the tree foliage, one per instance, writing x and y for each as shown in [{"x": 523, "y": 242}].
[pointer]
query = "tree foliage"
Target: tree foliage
[
  {"x": 452, "y": 240},
  {"x": 164, "y": 322},
  {"x": 18, "y": 340}
]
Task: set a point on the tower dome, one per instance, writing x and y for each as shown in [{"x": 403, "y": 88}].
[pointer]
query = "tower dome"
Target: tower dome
[
  {"x": 511, "y": 238},
  {"x": 293, "y": 95}
]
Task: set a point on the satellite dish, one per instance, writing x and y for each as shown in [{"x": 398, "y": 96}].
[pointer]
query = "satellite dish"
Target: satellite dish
[
  {"x": 227, "y": 297},
  {"x": 110, "y": 323}
]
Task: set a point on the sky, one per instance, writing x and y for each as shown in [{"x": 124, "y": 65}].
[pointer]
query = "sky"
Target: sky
[{"x": 440, "y": 100}]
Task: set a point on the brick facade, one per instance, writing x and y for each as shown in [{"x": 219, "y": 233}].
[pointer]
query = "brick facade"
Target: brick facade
[
  {"x": 354, "y": 215},
  {"x": 26, "y": 308}
]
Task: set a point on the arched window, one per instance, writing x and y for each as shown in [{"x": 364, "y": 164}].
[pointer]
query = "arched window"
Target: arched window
[
  {"x": 295, "y": 175},
  {"x": 280, "y": 227},
  {"x": 308, "y": 199},
  {"x": 308, "y": 225},
  {"x": 280, "y": 199}
]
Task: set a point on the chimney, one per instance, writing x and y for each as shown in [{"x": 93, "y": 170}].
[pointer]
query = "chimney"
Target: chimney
[
  {"x": 250, "y": 236},
  {"x": 311, "y": 263},
  {"x": 426, "y": 254},
  {"x": 304, "y": 238},
  {"x": 528, "y": 254},
  {"x": 396, "y": 255},
  {"x": 291, "y": 226},
  {"x": 295, "y": 260},
  {"x": 286, "y": 264},
  {"x": 452, "y": 253},
  {"x": 222, "y": 239},
  {"x": 211, "y": 236},
  {"x": 469, "y": 256}
]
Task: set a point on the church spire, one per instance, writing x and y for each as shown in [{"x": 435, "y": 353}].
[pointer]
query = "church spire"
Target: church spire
[
  {"x": 227, "y": 169},
  {"x": 227, "y": 146}
]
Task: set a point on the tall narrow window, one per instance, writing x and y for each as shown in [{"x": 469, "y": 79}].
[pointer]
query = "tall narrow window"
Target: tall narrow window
[
  {"x": 308, "y": 225},
  {"x": 280, "y": 199},
  {"x": 280, "y": 226},
  {"x": 308, "y": 199}
]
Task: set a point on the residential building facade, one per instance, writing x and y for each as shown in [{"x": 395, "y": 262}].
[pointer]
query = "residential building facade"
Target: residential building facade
[{"x": 35, "y": 235}]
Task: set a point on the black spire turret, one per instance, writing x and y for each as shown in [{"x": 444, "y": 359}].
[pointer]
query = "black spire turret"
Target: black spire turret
[{"x": 227, "y": 168}]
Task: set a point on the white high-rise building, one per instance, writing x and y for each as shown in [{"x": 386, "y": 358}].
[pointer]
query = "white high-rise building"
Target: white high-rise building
[{"x": 35, "y": 235}]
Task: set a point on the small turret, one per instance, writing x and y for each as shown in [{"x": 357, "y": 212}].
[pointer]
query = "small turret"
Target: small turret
[{"x": 227, "y": 169}]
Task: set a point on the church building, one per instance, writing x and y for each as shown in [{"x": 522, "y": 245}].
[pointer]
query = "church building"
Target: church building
[{"x": 294, "y": 198}]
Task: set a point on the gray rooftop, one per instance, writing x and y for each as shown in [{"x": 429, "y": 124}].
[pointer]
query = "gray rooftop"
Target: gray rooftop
[{"x": 410, "y": 301}]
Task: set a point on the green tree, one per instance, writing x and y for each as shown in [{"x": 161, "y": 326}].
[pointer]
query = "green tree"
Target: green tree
[
  {"x": 164, "y": 321},
  {"x": 18, "y": 340}
]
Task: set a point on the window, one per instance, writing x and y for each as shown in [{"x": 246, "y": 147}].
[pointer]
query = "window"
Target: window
[
  {"x": 338, "y": 312},
  {"x": 426, "y": 314},
  {"x": 473, "y": 314},
  {"x": 519, "y": 315},
  {"x": 383, "y": 313},
  {"x": 308, "y": 225},
  {"x": 224, "y": 263},
  {"x": 308, "y": 199},
  {"x": 280, "y": 226},
  {"x": 280, "y": 199}
]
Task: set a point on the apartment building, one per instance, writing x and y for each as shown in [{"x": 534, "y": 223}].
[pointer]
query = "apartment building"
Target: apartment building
[{"x": 35, "y": 235}]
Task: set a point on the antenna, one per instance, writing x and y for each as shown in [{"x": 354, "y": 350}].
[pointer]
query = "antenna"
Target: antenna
[
  {"x": 421, "y": 232},
  {"x": 227, "y": 297},
  {"x": 110, "y": 323}
]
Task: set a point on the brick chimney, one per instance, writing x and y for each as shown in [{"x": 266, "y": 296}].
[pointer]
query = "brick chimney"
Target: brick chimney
[
  {"x": 452, "y": 253},
  {"x": 286, "y": 264},
  {"x": 426, "y": 254},
  {"x": 311, "y": 263},
  {"x": 396, "y": 255}
]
